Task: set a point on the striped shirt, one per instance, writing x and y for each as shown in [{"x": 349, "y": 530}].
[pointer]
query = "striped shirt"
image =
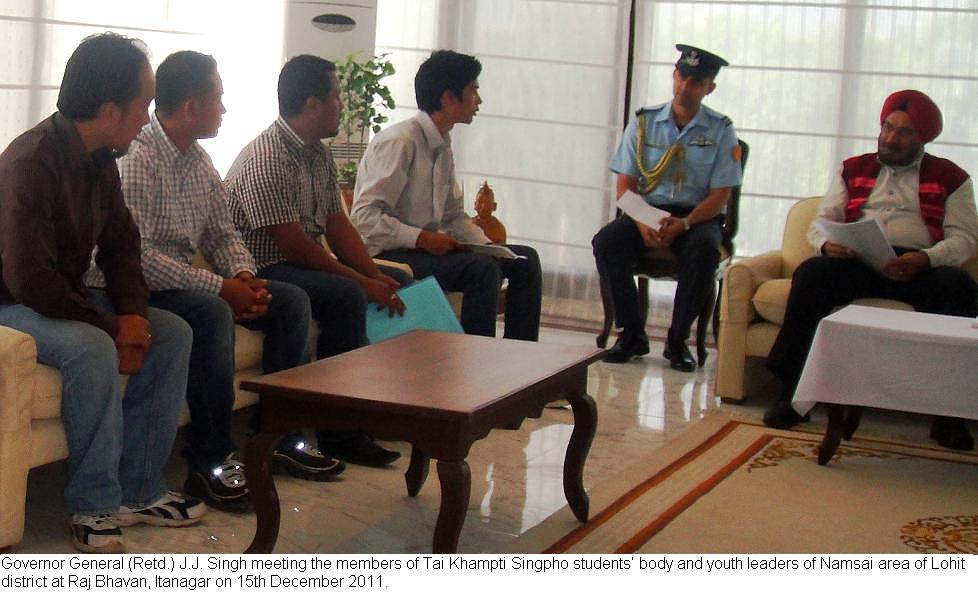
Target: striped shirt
[
  {"x": 180, "y": 204},
  {"x": 278, "y": 179}
]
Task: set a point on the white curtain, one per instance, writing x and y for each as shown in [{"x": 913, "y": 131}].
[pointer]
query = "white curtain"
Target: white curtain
[
  {"x": 804, "y": 90},
  {"x": 552, "y": 87},
  {"x": 807, "y": 80},
  {"x": 38, "y": 36}
]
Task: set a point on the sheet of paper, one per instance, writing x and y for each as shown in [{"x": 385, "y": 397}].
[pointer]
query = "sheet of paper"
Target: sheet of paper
[
  {"x": 640, "y": 211},
  {"x": 865, "y": 237},
  {"x": 427, "y": 309},
  {"x": 500, "y": 251}
]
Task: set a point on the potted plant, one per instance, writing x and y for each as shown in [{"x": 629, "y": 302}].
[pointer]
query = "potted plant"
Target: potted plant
[{"x": 364, "y": 95}]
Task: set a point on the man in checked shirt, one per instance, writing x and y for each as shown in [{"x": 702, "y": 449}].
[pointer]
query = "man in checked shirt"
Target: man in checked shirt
[
  {"x": 284, "y": 199},
  {"x": 178, "y": 199}
]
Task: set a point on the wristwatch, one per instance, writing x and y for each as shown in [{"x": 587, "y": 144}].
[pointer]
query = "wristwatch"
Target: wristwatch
[{"x": 685, "y": 222}]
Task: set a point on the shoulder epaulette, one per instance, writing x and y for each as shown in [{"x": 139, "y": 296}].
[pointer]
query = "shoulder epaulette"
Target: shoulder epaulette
[
  {"x": 645, "y": 109},
  {"x": 725, "y": 120}
]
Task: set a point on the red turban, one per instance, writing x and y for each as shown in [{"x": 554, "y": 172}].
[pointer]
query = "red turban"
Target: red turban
[{"x": 923, "y": 112}]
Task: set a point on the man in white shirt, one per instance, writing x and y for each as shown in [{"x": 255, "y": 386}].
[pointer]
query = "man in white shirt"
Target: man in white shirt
[
  {"x": 408, "y": 207},
  {"x": 926, "y": 208}
]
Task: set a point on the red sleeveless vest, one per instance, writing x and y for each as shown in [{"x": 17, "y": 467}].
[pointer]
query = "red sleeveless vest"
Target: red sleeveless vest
[{"x": 938, "y": 179}]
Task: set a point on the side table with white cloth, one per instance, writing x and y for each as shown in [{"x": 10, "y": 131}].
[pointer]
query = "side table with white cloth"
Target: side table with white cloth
[{"x": 885, "y": 358}]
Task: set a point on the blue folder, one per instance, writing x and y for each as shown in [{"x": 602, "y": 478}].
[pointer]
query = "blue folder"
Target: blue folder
[{"x": 427, "y": 309}]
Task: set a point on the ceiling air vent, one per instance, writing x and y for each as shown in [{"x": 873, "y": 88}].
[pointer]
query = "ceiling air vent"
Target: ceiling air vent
[{"x": 334, "y": 23}]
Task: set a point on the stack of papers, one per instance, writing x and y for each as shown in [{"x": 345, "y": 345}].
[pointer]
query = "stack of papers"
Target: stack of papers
[
  {"x": 500, "y": 251},
  {"x": 865, "y": 237}
]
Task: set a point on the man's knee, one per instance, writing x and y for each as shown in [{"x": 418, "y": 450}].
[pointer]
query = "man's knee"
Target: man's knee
[
  {"x": 170, "y": 332},
  {"x": 956, "y": 290},
  {"x": 400, "y": 276},
  {"x": 289, "y": 302},
  {"x": 97, "y": 355},
  {"x": 525, "y": 272},
  {"x": 815, "y": 271},
  {"x": 604, "y": 241},
  {"x": 703, "y": 254},
  {"x": 484, "y": 272},
  {"x": 340, "y": 297}
]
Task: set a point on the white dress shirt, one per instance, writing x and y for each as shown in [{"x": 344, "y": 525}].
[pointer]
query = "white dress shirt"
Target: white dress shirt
[
  {"x": 895, "y": 203},
  {"x": 405, "y": 184}
]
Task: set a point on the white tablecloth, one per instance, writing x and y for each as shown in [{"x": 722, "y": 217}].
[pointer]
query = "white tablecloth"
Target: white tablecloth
[{"x": 900, "y": 360}]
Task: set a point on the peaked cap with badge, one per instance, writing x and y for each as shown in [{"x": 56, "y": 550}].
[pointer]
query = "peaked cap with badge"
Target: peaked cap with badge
[{"x": 698, "y": 63}]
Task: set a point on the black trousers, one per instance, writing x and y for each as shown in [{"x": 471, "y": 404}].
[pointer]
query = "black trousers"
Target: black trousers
[
  {"x": 618, "y": 245},
  {"x": 821, "y": 284}
]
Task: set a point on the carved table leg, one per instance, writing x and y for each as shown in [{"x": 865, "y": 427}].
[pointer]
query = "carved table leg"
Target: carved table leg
[
  {"x": 456, "y": 485},
  {"x": 417, "y": 471},
  {"x": 852, "y": 422},
  {"x": 585, "y": 424},
  {"x": 262, "y": 491},
  {"x": 833, "y": 433}
]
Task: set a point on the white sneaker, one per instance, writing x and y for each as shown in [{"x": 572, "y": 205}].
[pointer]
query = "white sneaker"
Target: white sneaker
[
  {"x": 172, "y": 510},
  {"x": 95, "y": 534}
]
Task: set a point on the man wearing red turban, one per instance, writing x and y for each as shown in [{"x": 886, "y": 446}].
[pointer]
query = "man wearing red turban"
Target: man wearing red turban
[{"x": 926, "y": 208}]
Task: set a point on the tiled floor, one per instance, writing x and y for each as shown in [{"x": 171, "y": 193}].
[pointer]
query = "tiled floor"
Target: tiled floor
[{"x": 516, "y": 475}]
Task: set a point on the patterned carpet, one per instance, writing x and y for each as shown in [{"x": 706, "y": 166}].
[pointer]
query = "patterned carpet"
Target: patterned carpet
[{"x": 734, "y": 487}]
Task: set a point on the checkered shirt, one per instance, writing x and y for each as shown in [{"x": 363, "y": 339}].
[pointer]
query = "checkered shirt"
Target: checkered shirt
[
  {"x": 179, "y": 203},
  {"x": 278, "y": 179}
]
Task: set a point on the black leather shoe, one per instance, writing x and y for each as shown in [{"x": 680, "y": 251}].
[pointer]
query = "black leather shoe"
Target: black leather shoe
[
  {"x": 359, "y": 449},
  {"x": 679, "y": 357},
  {"x": 627, "y": 348},
  {"x": 782, "y": 416},
  {"x": 952, "y": 433}
]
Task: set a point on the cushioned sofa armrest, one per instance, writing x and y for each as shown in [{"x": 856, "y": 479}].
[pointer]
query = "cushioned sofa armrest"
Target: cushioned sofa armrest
[
  {"x": 18, "y": 366},
  {"x": 741, "y": 281}
]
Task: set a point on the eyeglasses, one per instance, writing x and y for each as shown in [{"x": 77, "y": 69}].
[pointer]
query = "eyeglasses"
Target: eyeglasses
[{"x": 901, "y": 132}]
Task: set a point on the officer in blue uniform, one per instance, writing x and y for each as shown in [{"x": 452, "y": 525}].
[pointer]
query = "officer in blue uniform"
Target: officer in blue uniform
[{"x": 681, "y": 157}]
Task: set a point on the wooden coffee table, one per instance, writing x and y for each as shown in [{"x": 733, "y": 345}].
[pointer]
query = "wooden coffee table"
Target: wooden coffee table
[{"x": 441, "y": 392}]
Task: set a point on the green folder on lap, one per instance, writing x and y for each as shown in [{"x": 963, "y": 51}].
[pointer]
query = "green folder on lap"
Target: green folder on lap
[{"x": 427, "y": 309}]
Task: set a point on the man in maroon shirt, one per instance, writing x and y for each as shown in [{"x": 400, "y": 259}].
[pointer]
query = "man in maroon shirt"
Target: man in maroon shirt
[{"x": 60, "y": 198}]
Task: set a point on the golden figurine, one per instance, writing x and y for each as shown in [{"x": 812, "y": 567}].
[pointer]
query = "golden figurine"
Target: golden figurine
[{"x": 485, "y": 204}]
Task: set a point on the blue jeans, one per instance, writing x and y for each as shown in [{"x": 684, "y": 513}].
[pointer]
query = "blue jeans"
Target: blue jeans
[
  {"x": 478, "y": 278},
  {"x": 339, "y": 305},
  {"x": 210, "y": 383},
  {"x": 117, "y": 443}
]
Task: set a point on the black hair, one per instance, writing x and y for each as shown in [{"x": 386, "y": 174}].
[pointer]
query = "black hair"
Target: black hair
[
  {"x": 444, "y": 70},
  {"x": 103, "y": 68},
  {"x": 182, "y": 76},
  {"x": 302, "y": 77}
]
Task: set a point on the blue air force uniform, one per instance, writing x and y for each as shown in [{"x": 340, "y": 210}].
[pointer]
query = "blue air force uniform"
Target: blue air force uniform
[
  {"x": 707, "y": 158},
  {"x": 709, "y": 144}
]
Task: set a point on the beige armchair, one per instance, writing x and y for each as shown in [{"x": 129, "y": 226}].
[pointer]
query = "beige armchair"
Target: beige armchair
[{"x": 755, "y": 292}]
